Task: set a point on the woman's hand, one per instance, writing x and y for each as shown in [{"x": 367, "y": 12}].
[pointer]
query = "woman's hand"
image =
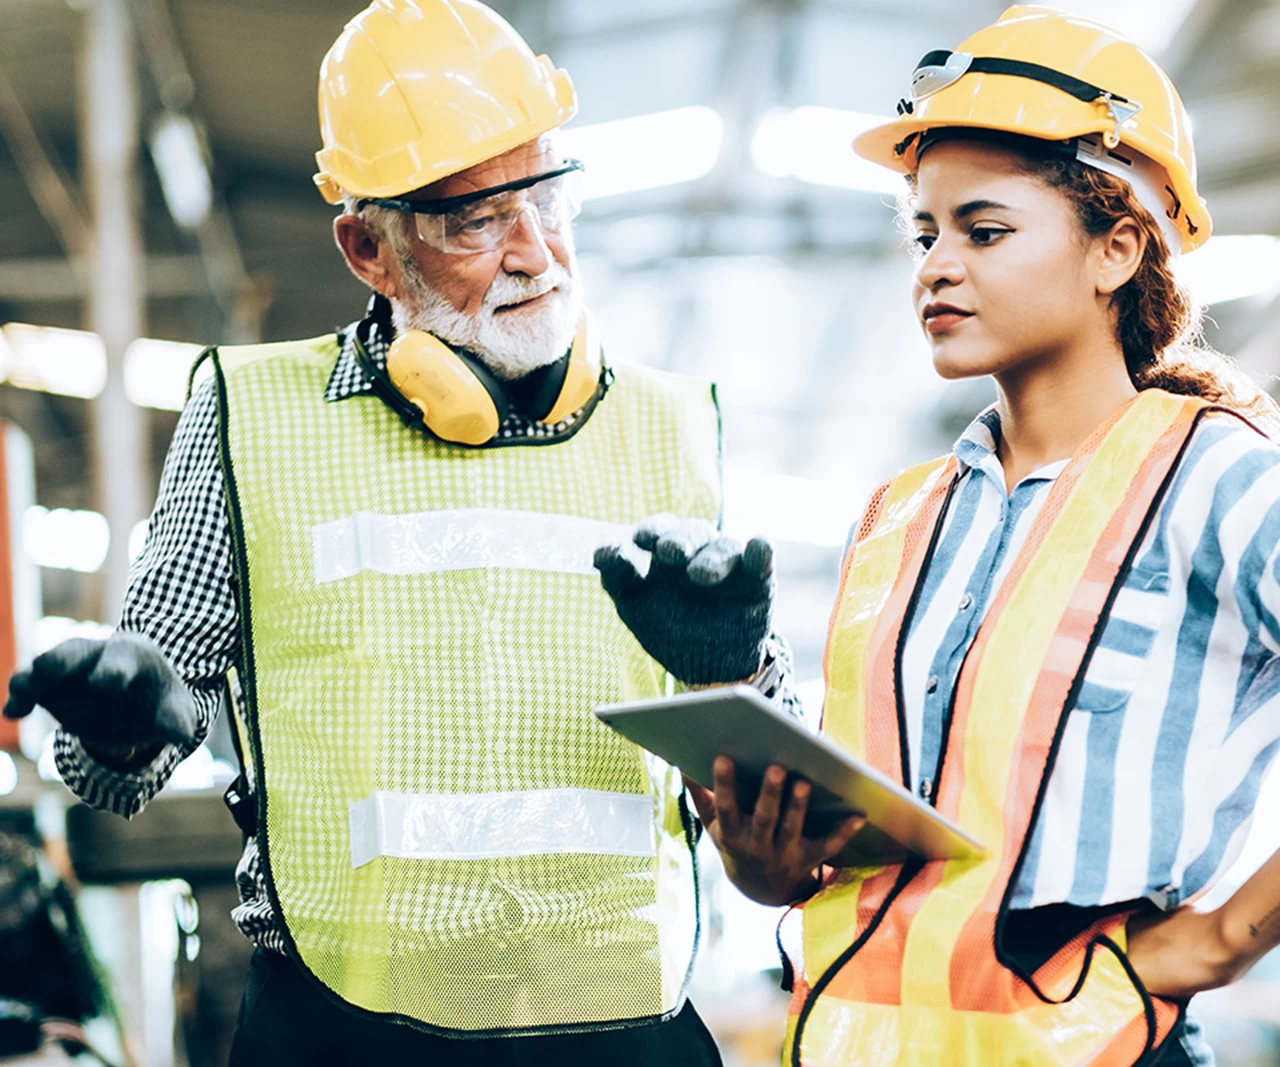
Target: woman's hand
[
  {"x": 766, "y": 854},
  {"x": 1182, "y": 953},
  {"x": 1186, "y": 952}
]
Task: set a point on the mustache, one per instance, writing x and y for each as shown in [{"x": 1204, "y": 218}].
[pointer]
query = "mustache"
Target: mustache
[{"x": 517, "y": 288}]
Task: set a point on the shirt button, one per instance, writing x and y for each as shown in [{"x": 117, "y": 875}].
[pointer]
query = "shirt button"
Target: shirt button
[
  {"x": 966, "y": 602},
  {"x": 926, "y": 788},
  {"x": 931, "y": 686}
]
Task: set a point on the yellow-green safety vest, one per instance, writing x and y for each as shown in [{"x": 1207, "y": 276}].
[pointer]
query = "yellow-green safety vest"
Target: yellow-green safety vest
[{"x": 450, "y": 836}]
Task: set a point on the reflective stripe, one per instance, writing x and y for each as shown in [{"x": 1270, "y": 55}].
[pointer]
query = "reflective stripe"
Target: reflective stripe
[
  {"x": 479, "y": 826},
  {"x": 429, "y": 541}
]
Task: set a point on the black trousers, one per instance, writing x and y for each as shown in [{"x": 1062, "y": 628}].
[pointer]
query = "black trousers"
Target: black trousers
[{"x": 284, "y": 1022}]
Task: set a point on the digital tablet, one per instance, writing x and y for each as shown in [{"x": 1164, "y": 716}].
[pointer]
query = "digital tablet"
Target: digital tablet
[{"x": 690, "y": 730}]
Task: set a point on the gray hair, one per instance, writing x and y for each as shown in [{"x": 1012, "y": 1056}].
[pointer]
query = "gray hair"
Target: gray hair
[{"x": 393, "y": 227}]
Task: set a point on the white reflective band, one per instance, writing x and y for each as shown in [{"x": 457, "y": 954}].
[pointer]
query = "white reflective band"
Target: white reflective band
[
  {"x": 431, "y": 541},
  {"x": 481, "y": 826}
]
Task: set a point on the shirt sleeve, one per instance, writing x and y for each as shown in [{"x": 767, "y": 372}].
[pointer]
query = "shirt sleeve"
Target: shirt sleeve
[
  {"x": 181, "y": 595},
  {"x": 774, "y": 679}
]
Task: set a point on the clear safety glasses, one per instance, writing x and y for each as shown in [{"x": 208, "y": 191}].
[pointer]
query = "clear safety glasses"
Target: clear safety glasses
[{"x": 482, "y": 221}]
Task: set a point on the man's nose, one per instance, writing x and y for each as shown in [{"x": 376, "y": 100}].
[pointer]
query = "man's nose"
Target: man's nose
[{"x": 526, "y": 250}]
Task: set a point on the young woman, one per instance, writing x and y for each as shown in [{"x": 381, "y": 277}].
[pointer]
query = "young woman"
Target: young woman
[{"x": 1065, "y": 633}]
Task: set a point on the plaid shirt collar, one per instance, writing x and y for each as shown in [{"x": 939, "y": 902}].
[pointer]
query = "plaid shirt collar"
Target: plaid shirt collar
[{"x": 348, "y": 377}]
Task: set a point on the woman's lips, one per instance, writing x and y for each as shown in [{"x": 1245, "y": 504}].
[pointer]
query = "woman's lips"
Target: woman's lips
[{"x": 945, "y": 320}]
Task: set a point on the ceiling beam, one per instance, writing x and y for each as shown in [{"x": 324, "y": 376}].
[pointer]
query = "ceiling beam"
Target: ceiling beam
[
  {"x": 49, "y": 184},
  {"x": 56, "y": 279}
]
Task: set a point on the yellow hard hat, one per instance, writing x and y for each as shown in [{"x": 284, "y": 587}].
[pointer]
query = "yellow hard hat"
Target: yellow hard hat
[
  {"x": 416, "y": 90},
  {"x": 1046, "y": 74}
]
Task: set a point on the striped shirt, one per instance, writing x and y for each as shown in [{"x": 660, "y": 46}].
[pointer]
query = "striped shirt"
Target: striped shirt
[
  {"x": 1178, "y": 718},
  {"x": 182, "y": 595}
]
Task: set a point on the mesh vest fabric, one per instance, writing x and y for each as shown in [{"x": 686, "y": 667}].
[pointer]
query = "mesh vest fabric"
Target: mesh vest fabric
[
  {"x": 901, "y": 965},
  {"x": 461, "y": 681}
]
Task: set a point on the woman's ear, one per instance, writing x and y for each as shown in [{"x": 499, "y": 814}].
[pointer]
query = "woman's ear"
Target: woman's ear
[
  {"x": 367, "y": 257},
  {"x": 1121, "y": 253}
]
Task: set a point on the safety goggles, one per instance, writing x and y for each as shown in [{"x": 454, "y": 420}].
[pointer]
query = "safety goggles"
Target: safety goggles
[
  {"x": 939, "y": 69},
  {"x": 483, "y": 220}
]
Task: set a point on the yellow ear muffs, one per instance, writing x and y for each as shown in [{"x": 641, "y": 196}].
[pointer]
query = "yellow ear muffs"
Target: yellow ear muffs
[
  {"x": 583, "y": 375},
  {"x": 460, "y": 400}
]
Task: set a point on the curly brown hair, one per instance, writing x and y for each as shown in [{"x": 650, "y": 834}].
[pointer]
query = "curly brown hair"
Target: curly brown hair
[{"x": 1159, "y": 325}]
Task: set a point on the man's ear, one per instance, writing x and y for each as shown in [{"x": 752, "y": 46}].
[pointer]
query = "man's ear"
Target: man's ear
[
  {"x": 1121, "y": 251},
  {"x": 367, "y": 257}
]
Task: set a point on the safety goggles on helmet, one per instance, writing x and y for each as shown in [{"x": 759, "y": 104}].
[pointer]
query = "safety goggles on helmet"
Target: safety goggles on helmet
[
  {"x": 939, "y": 69},
  {"x": 483, "y": 220}
]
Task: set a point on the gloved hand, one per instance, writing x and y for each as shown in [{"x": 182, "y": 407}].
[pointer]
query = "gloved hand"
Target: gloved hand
[
  {"x": 116, "y": 695},
  {"x": 703, "y": 610}
]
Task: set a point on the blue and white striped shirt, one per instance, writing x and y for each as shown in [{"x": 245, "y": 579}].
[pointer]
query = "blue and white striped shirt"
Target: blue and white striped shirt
[{"x": 1179, "y": 715}]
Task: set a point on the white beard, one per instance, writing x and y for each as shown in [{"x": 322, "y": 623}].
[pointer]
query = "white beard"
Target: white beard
[{"x": 511, "y": 344}]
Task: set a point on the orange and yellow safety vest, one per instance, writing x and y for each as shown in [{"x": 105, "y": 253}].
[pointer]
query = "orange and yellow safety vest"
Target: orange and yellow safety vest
[{"x": 901, "y": 964}]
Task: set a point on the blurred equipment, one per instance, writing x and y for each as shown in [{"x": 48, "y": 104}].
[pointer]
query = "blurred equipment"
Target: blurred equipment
[
  {"x": 1042, "y": 73},
  {"x": 416, "y": 90},
  {"x": 48, "y": 982}
]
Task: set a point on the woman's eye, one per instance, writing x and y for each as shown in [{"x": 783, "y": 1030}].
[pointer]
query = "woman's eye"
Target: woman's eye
[
  {"x": 985, "y": 235},
  {"x": 924, "y": 241}
]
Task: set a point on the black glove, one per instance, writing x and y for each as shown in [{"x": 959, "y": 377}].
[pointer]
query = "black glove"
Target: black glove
[
  {"x": 115, "y": 695},
  {"x": 703, "y": 609}
]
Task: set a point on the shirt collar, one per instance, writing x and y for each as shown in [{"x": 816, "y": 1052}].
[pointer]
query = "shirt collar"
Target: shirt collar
[
  {"x": 976, "y": 450},
  {"x": 348, "y": 377}
]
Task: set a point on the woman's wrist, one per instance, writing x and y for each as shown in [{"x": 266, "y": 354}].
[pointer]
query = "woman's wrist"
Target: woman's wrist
[{"x": 774, "y": 894}]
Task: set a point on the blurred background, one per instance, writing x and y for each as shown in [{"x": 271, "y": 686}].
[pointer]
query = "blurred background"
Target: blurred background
[{"x": 156, "y": 197}]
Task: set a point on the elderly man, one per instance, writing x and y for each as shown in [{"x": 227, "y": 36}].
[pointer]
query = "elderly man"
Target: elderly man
[{"x": 387, "y": 533}]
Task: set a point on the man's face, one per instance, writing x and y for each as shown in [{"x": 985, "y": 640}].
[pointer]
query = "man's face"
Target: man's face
[{"x": 515, "y": 306}]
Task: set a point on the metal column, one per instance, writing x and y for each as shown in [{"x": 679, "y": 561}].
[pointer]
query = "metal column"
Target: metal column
[{"x": 109, "y": 142}]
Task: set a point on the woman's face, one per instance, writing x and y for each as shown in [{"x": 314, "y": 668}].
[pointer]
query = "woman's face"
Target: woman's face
[{"x": 1005, "y": 279}]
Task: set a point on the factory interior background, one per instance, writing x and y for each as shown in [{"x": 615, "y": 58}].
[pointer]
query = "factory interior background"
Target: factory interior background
[{"x": 728, "y": 232}]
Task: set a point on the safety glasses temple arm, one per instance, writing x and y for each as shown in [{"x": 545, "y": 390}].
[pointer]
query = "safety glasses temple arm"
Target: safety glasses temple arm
[{"x": 453, "y": 203}]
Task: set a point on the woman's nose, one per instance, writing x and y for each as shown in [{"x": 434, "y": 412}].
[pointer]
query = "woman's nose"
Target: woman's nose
[{"x": 939, "y": 266}]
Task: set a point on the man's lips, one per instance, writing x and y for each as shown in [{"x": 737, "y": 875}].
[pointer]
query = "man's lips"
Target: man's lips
[
  {"x": 532, "y": 302},
  {"x": 939, "y": 318}
]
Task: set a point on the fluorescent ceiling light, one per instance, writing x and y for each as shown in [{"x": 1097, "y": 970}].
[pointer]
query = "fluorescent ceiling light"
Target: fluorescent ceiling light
[
  {"x": 54, "y": 629},
  {"x": 663, "y": 148},
  {"x": 156, "y": 372},
  {"x": 1229, "y": 268},
  {"x": 53, "y": 360},
  {"x": 138, "y": 539},
  {"x": 184, "y": 176},
  {"x": 814, "y": 144},
  {"x": 66, "y": 540}
]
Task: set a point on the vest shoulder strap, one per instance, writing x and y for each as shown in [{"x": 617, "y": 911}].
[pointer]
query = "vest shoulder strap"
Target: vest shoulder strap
[
  {"x": 232, "y": 357},
  {"x": 885, "y": 506}
]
